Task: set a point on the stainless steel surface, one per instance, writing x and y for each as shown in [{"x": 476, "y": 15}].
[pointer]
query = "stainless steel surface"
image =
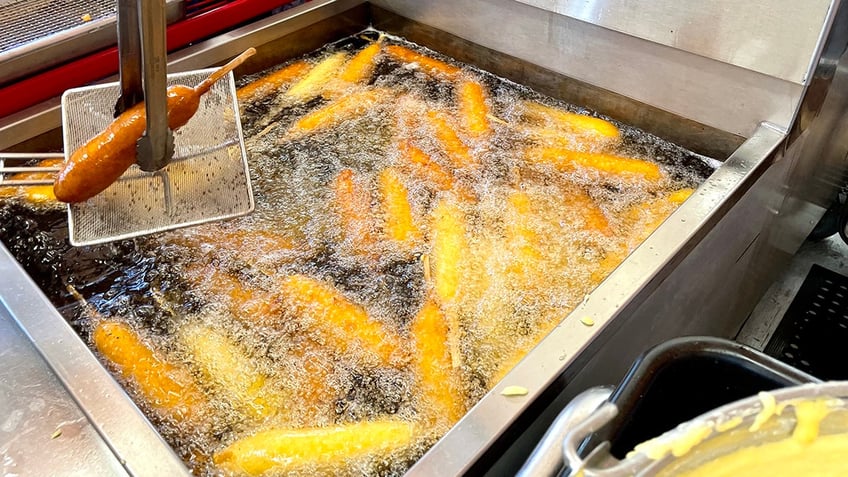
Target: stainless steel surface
[
  {"x": 742, "y": 255},
  {"x": 697, "y": 137},
  {"x": 134, "y": 442},
  {"x": 45, "y": 34},
  {"x": 711, "y": 92},
  {"x": 814, "y": 165},
  {"x": 547, "y": 457},
  {"x": 652, "y": 296},
  {"x": 38, "y": 417},
  {"x": 772, "y": 37},
  {"x": 156, "y": 146},
  {"x": 129, "y": 56},
  {"x": 831, "y": 253},
  {"x": 212, "y": 183}
]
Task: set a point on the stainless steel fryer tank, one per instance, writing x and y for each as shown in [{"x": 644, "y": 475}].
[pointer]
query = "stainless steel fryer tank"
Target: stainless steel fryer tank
[{"x": 761, "y": 96}]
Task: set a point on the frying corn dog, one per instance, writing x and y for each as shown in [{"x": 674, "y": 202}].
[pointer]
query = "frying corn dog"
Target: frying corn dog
[
  {"x": 567, "y": 161},
  {"x": 429, "y": 65},
  {"x": 679, "y": 196},
  {"x": 449, "y": 243},
  {"x": 167, "y": 387},
  {"x": 473, "y": 109},
  {"x": 548, "y": 136},
  {"x": 339, "y": 322},
  {"x": 345, "y": 108},
  {"x": 317, "y": 79},
  {"x": 314, "y": 450},
  {"x": 592, "y": 128},
  {"x": 454, "y": 148},
  {"x": 440, "y": 396},
  {"x": 213, "y": 240},
  {"x": 270, "y": 83},
  {"x": 448, "y": 238},
  {"x": 250, "y": 305},
  {"x": 361, "y": 66},
  {"x": 353, "y": 205},
  {"x": 420, "y": 164},
  {"x": 592, "y": 217},
  {"x": 399, "y": 225},
  {"x": 497, "y": 271},
  {"x": 234, "y": 377},
  {"x": 101, "y": 161},
  {"x": 520, "y": 237}
]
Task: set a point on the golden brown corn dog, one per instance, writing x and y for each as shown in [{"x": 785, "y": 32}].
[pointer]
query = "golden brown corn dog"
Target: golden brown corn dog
[
  {"x": 166, "y": 387},
  {"x": 520, "y": 237},
  {"x": 360, "y": 67},
  {"x": 317, "y": 79},
  {"x": 595, "y": 129},
  {"x": 473, "y": 109},
  {"x": 101, "y": 161},
  {"x": 567, "y": 161},
  {"x": 425, "y": 168},
  {"x": 250, "y": 305},
  {"x": 230, "y": 371},
  {"x": 270, "y": 83},
  {"x": 441, "y": 400},
  {"x": 456, "y": 150},
  {"x": 429, "y": 65},
  {"x": 314, "y": 391},
  {"x": 679, "y": 196},
  {"x": 337, "y": 321},
  {"x": 592, "y": 217},
  {"x": 548, "y": 136},
  {"x": 215, "y": 239},
  {"x": 399, "y": 224},
  {"x": 449, "y": 241},
  {"x": 342, "y": 109},
  {"x": 314, "y": 450},
  {"x": 353, "y": 205}
]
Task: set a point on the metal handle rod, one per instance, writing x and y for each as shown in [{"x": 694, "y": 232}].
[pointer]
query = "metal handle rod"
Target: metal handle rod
[
  {"x": 31, "y": 155},
  {"x": 575, "y": 464},
  {"x": 155, "y": 147},
  {"x": 14, "y": 170},
  {"x": 129, "y": 54},
  {"x": 26, "y": 156},
  {"x": 547, "y": 458}
]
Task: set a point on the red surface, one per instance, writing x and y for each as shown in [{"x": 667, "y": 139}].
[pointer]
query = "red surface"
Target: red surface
[{"x": 52, "y": 83}]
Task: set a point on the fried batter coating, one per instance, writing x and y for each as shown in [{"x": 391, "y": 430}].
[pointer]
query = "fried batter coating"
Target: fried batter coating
[{"x": 313, "y": 450}]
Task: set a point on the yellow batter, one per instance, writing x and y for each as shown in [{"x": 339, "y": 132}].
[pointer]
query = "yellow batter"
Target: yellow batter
[
  {"x": 804, "y": 454},
  {"x": 826, "y": 456}
]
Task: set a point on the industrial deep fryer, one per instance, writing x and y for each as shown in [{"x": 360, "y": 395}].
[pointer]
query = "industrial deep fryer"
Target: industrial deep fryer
[{"x": 761, "y": 92}]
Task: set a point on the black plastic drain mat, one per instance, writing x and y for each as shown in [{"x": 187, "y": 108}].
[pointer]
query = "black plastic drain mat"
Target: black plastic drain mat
[{"x": 813, "y": 334}]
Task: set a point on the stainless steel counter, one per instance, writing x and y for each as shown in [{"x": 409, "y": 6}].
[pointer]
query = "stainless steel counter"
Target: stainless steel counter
[{"x": 42, "y": 430}]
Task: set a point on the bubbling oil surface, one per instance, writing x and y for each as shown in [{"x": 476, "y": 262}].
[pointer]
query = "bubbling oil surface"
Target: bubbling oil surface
[{"x": 362, "y": 229}]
